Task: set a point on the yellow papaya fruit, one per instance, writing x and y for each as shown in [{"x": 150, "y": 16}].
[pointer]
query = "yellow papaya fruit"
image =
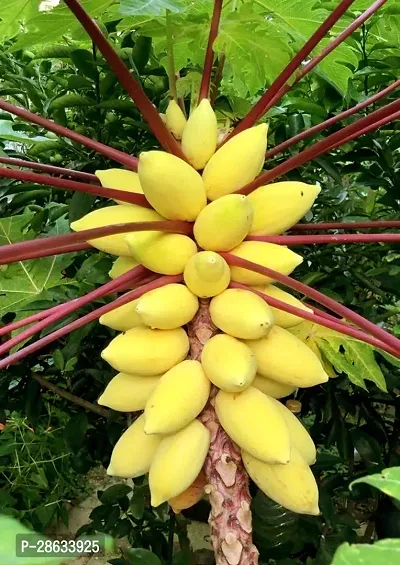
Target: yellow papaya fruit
[
  {"x": 292, "y": 485},
  {"x": 199, "y": 138},
  {"x": 272, "y": 388},
  {"x": 128, "y": 393},
  {"x": 281, "y": 318},
  {"x": 207, "y": 274},
  {"x": 120, "y": 179},
  {"x": 228, "y": 363},
  {"x": 122, "y": 318},
  {"x": 190, "y": 496},
  {"x": 280, "y": 205},
  {"x": 241, "y": 313},
  {"x": 175, "y": 119},
  {"x": 164, "y": 253},
  {"x": 177, "y": 462},
  {"x": 282, "y": 357},
  {"x": 144, "y": 351},
  {"x": 109, "y": 216},
  {"x": 133, "y": 452},
  {"x": 224, "y": 223},
  {"x": 299, "y": 436},
  {"x": 253, "y": 422},
  {"x": 167, "y": 307},
  {"x": 236, "y": 163},
  {"x": 171, "y": 186},
  {"x": 179, "y": 397},
  {"x": 277, "y": 257},
  {"x": 122, "y": 265}
]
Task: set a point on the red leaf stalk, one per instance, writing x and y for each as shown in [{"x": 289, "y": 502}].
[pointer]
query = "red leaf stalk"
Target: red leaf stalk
[
  {"x": 209, "y": 58},
  {"x": 260, "y": 108},
  {"x": 9, "y": 328},
  {"x": 338, "y": 239},
  {"x": 228, "y": 483},
  {"x": 92, "y": 316},
  {"x": 115, "y": 154},
  {"x": 71, "y": 306},
  {"x": 355, "y": 24},
  {"x": 218, "y": 78},
  {"x": 320, "y": 226},
  {"x": 23, "y": 250},
  {"x": 130, "y": 84},
  {"x": 371, "y": 127},
  {"x": 76, "y": 186},
  {"x": 371, "y": 122},
  {"x": 81, "y": 175},
  {"x": 41, "y": 253},
  {"x": 326, "y": 301},
  {"x": 327, "y": 322},
  {"x": 327, "y": 123}
]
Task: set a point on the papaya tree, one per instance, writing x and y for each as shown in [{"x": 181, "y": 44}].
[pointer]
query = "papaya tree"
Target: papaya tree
[{"x": 208, "y": 345}]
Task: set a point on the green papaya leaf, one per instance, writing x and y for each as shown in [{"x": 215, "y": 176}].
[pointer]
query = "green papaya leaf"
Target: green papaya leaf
[
  {"x": 25, "y": 281},
  {"x": 150, "y": 7},
  {"x": 71, "y": 100},
  {"x": 383, "y": 552},
  {"x": 388, "y": 481},
  {"x": 15, "y": 12},
  {"x": 7, "y": 132},
  {"x": 139, "y": 556},
  {"x": 114, "y": 493}
]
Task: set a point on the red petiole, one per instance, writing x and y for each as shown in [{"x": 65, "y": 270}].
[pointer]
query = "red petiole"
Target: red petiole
[
  {"x": 71, "y": 241},
  {"x": 55, "y": 314},
  {"x": 320, "y": 226},
  {"x": 332, "y": 324},
  {"x": 327, "y": 123},
  {"x": 76, "y": 186},
  {"x": 95, "y": 315},
  {"x": 373, "y": 121},
  {"x": 115, "y": 154},
  {"x": 209, "y": 58},
  {"x": 326, "y": 301},
  {"x": 81, "y": 175},
  {"x": 341, "y": 238},
  {"x": 131, "y": 85},
  {"x": 270, "y": 96}
]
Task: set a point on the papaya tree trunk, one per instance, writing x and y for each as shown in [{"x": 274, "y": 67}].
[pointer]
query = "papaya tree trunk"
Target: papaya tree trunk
[{"x": 227, "y": 481}]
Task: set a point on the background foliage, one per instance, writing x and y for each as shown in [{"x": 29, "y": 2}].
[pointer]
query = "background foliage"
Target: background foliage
[{"x": 48, "y": 444}]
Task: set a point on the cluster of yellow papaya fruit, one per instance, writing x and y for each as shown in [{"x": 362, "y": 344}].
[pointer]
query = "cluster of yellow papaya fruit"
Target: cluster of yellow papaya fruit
[{"x": 254, "y": 359}]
